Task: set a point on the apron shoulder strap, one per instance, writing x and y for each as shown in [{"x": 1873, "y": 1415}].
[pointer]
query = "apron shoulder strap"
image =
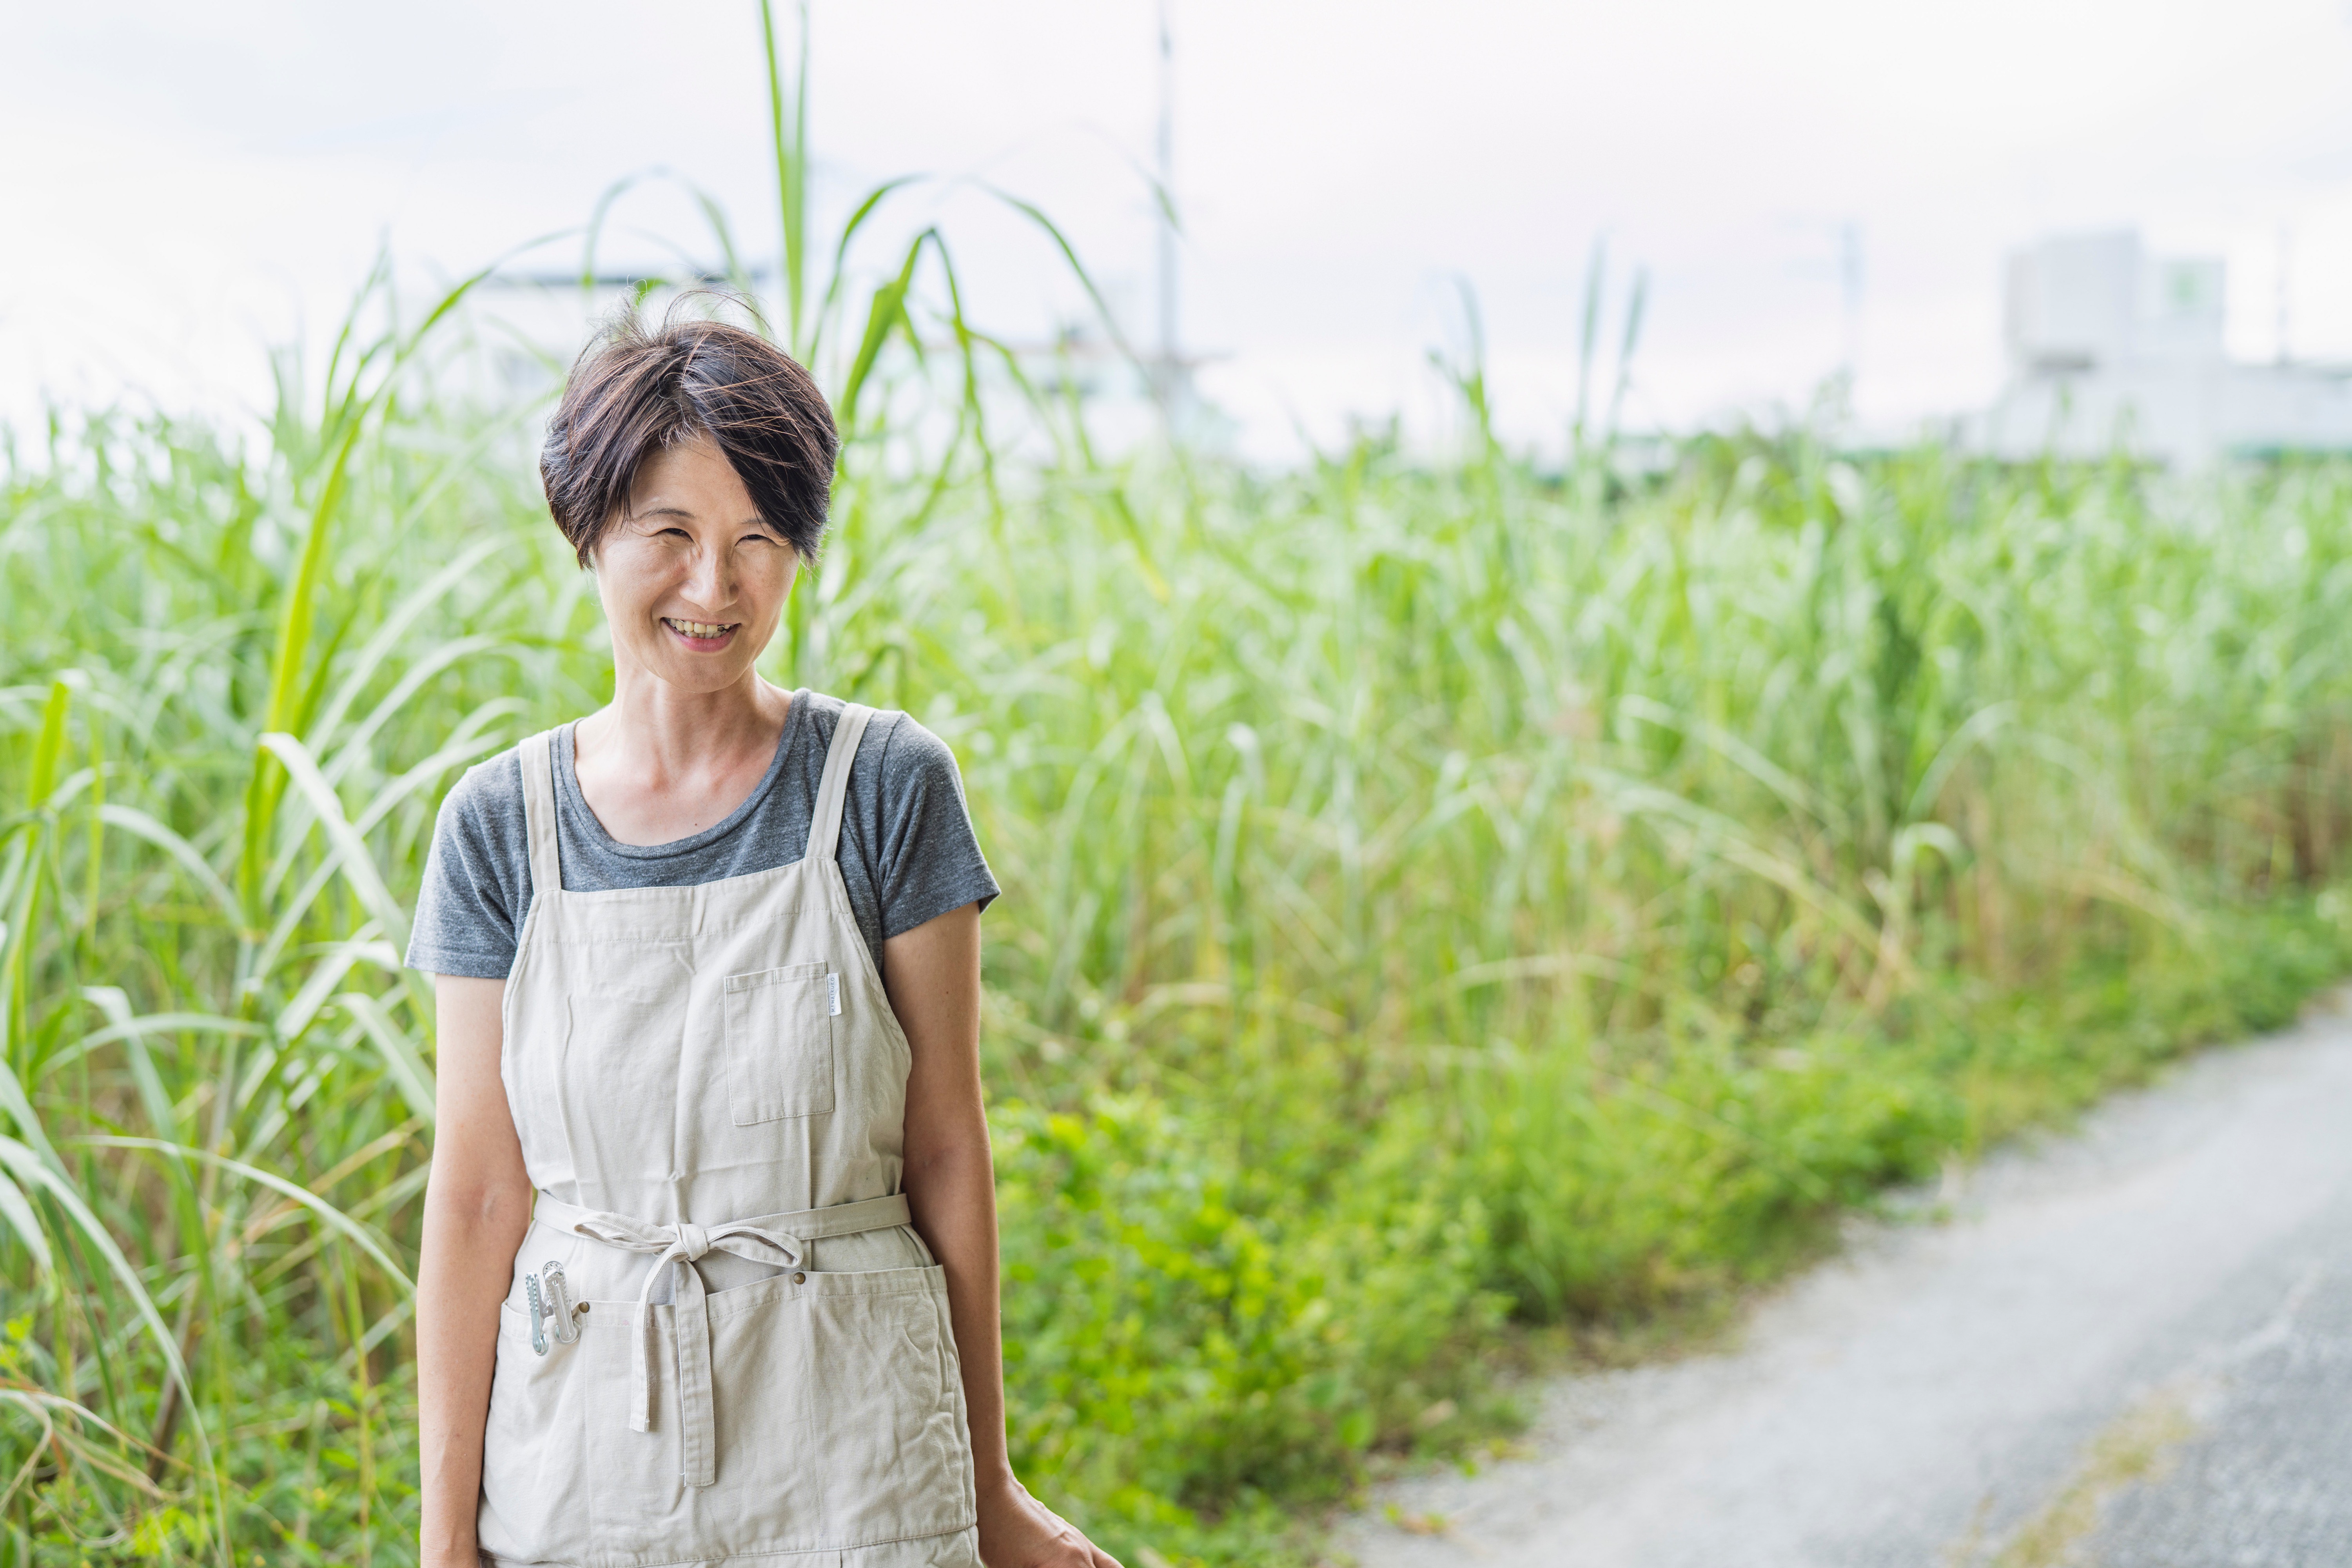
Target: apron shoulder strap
[
  {"x": 537, "y": 752},
  {"x": 824, "y": 828}
]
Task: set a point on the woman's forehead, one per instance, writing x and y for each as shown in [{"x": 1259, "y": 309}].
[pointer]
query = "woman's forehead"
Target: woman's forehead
[{"x": 692, "y": 479}]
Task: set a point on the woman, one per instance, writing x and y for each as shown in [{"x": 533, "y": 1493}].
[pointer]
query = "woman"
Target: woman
[{"x": 710, "y": 1270}]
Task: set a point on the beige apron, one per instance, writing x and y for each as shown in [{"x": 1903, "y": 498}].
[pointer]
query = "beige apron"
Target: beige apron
[{"x": 710, "y": 1089}]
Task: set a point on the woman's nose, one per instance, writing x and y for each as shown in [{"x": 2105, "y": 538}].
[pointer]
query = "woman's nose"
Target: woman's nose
[{"x": 712, "y": 586}]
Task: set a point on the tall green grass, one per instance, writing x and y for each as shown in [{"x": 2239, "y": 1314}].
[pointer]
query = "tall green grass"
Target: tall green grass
[{"x": 1440, "y": 892}]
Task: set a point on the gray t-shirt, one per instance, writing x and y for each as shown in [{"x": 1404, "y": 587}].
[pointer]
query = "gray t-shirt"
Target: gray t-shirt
[{"x": 906, "y": 853}]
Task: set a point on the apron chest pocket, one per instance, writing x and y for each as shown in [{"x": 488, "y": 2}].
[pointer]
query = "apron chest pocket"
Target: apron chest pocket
[{"x": 779, "y": 1029}]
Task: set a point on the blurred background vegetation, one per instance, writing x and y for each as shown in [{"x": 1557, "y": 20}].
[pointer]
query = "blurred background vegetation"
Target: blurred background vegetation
[{"x": 1447, "y": 894}]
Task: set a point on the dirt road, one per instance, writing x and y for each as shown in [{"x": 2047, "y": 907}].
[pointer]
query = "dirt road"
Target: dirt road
[{"x": 2131, "y": 1347}]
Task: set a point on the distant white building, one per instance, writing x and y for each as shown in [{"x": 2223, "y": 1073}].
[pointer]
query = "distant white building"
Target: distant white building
[{"x": 2109, "y": 347}]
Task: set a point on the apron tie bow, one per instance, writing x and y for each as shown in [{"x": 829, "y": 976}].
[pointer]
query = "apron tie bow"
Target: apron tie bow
[{"x": 675, "y": 1248}]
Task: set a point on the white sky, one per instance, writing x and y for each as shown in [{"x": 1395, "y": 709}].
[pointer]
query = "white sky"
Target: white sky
[{"x": 182, "y": 185}]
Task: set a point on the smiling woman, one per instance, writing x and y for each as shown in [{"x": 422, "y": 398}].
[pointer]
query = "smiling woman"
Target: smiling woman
[{"x": 708, "y": 1003}]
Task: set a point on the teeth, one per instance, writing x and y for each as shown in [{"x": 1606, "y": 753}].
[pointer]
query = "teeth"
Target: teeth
[{"x": 696, "y": 628}]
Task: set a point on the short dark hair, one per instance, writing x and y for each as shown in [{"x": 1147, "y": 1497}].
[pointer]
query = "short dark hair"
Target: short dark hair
[{"x": 638, "y": 388}]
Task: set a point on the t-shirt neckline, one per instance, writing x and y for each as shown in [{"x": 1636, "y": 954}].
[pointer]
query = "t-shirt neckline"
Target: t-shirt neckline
[{"x": 567, "y": 779}]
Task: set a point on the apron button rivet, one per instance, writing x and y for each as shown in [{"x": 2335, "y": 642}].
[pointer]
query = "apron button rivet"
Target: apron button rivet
[
  {"x": 799, "y": 1279},
  {"x": 581, "y": 1307}
]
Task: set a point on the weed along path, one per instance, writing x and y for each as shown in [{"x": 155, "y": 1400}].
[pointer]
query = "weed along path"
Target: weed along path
[{"x": 2129, "y": 1347}]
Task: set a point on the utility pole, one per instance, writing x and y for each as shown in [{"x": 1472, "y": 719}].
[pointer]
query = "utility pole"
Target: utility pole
[
  {"x": 2284, "y": 239},
  {"x": 1167, "y": 204},
  {"x": 1850, "y": 291}
]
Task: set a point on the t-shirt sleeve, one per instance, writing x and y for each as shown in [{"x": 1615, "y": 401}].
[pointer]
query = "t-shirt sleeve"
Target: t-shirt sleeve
[
  {"x": 930, "y": 859},
  {"x": 466, "y": 909}
]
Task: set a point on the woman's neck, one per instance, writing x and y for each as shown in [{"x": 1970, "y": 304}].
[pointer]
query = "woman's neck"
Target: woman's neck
[{"x": 656, "y": 764}]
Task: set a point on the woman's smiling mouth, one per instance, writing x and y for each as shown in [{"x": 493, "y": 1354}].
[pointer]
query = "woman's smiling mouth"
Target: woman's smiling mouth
[{"x": 700, "y": 634}]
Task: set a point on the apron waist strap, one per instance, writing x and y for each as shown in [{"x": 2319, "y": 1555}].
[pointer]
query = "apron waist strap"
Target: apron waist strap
[
  {"x": 805, "y": 1225},
  {"x": 781, "y": 1239}
]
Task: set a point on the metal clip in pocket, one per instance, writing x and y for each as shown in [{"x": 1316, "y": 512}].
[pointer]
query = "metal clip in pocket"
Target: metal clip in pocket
[
  {"x": 555, "y": 1302},
  {"x": 559, "y": 1303}
]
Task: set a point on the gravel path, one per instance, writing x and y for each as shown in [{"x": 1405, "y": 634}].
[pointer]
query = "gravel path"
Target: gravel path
[{"x": 2131, "y": 1347}]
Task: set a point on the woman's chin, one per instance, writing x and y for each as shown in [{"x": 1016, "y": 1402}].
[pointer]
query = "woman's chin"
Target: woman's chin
[{"x": 695, "y": 674}]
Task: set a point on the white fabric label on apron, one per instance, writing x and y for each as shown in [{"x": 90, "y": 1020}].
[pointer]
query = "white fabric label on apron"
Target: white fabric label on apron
[{"x": 832, "y": 995}]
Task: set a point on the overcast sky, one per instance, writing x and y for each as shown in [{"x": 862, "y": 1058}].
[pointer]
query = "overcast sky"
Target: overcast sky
[{"x": 184, "y": 186}]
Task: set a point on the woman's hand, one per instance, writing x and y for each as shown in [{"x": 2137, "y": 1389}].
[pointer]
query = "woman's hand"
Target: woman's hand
[{"x": 1016, "y": 1530}]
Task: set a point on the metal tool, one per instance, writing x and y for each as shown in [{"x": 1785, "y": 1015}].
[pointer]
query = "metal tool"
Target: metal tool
[{"x": 555, "y": 1302}]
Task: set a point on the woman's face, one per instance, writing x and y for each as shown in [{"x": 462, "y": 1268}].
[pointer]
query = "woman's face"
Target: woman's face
[{"x": 692, "y": 580}]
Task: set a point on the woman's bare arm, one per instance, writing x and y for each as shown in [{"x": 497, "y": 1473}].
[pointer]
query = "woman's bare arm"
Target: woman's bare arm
[
  {"x": 477, "y": 1207},
  {"x": 932, "y": 974}
]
